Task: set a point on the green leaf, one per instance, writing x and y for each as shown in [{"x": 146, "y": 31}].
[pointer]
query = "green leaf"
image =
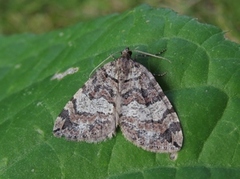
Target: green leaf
[{"x": 202, "y": 82}]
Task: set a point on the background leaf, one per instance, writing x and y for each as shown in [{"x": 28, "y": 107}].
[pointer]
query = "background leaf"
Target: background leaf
[{"x": 202, "y": 82}]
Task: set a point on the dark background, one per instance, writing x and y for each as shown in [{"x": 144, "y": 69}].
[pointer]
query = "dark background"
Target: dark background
[{"x": 39, "y": 16}]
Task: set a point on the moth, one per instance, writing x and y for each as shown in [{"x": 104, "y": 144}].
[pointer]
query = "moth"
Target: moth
[{"x": 122, "y": 93}]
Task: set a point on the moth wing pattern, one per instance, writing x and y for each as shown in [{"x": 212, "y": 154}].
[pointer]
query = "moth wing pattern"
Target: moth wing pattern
[
  {"x": 147, "y": 118},
  {"x": 122, "y": 92},
  {"x": 90, "y": 114}
]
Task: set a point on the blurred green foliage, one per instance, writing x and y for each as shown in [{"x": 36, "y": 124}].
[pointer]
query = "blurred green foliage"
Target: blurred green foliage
[{"x": 39, "y": 16}]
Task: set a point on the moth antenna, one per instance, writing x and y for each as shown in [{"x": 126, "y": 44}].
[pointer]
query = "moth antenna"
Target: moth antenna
[
  {"x": 100, "y": 64},
  {"x": 152, "y": 55}
]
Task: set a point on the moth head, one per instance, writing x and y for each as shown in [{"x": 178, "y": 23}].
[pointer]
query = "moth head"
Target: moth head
[{"x": 126, "y": 53}]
